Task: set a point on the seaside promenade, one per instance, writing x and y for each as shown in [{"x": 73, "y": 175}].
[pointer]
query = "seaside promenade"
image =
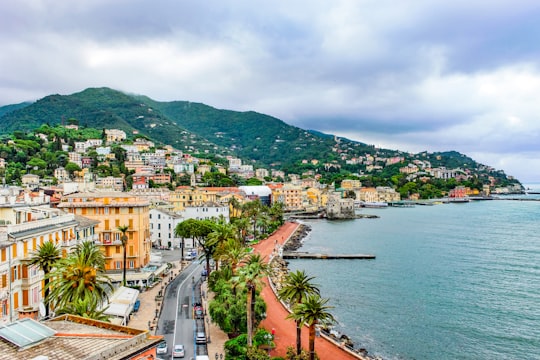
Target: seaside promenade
[
  {"x": 285, "y": 330},
  {"x": 276, "y": 312}
]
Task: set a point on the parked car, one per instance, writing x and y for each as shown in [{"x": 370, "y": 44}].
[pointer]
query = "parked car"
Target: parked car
[
  {"x": 137, "y": 305},
  {"x": 200, "y": 337},
  {"x": 178, "y": 351},
  {"x": 162, "y": 348},
  {"x": 198, "y": 311}
]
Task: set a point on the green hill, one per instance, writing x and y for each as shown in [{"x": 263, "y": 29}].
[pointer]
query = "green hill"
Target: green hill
[{"x": 260, "y": 139}]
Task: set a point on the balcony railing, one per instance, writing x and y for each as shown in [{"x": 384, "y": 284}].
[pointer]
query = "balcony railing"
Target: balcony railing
[{"x": 40, "y": 223}]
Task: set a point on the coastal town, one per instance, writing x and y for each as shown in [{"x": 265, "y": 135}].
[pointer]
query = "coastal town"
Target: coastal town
[{"x": 135, "y": 221}]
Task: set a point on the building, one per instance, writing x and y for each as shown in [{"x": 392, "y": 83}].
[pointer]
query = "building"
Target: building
[
  {"x": 110, "y": 183},
  {"x": 162, "y": 226},
  {"x": 61, "y": 174},
  {"x": 24, "y": 228},
  {"x": 206, "y": 211},
  {"x": 115, "y": 135},
  {"x": 261, "y": 192},
  {"x": 70, "y": 337},
  {"x": 290, "y": 195},
  {"x": 30, "y": 180},
  {"x": 114, "y": 209}
]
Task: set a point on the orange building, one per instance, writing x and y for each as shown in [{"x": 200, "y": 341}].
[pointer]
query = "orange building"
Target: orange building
[{"x": 114, "y": 209}]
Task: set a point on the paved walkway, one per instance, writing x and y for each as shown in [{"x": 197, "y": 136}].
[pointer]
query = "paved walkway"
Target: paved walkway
[{"x": 285, "y": 330}]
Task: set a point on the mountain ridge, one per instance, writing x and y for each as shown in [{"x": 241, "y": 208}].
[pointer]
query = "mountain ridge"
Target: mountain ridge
[{"x": 258, "y": 139}]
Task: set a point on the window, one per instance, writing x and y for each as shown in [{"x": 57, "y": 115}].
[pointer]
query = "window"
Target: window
[
  {"x": 118, "y": 264},
  {"x": 131, "y": 264}
]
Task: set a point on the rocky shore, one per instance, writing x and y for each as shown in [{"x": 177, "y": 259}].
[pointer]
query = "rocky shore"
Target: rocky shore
[{"x": 278, "y": 273}]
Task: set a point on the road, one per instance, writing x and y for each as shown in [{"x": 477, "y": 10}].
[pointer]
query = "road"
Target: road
[{"x": 176, "y": 322}]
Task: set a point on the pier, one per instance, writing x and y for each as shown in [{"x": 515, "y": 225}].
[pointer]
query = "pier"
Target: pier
[{"x": 305, "y": 255}]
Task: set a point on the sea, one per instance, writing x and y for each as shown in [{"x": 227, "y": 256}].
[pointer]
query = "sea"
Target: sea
[{"x": 450, "y": 281}]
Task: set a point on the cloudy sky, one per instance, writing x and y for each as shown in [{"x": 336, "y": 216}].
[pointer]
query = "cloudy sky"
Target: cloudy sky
[{"x": 412, "y": 75}]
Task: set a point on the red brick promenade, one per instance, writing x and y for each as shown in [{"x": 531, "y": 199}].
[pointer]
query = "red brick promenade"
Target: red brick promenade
[{"x": 285, "y": 330}]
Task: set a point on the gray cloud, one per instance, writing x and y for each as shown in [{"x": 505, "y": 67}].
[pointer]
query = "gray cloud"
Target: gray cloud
[{"x": 411, "y": 75}]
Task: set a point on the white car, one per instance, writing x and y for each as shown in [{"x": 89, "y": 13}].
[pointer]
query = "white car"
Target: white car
[
  {"x": 178, "y": 351},
  {"x": 161, "y": 348}
]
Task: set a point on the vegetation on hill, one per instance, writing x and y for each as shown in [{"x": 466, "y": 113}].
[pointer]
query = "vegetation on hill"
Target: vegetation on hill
[{"x": 206, "y": 132}]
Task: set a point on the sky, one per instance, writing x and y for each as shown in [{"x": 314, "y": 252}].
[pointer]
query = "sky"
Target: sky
[{"x": 411, "y": 75}]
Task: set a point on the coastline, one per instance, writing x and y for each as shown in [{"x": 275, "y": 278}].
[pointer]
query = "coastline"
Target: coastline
[{"x": 327, "y": 346}]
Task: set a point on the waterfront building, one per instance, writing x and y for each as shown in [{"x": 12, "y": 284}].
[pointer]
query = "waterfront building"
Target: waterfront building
[
  {"x": 114, "y": 209},
  {"x": 290, "y": 195}
]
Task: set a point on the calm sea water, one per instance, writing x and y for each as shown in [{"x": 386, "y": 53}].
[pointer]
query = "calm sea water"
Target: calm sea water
[{"x": 451, "y": 281}]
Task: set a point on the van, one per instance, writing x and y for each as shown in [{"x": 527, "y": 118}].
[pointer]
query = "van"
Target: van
[{"x": 200, "y": 337}]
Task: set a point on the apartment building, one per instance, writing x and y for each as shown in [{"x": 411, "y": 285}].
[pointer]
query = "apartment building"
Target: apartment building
[
  {"x": 184, "y": 196},
  {"x": 114, "y": 209},
  {"x": 24, "y": 228}
]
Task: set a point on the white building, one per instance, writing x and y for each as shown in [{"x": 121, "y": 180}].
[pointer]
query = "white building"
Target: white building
[
  {"x": 206, "y": 211},
  {"x": 162, "y": 225}
]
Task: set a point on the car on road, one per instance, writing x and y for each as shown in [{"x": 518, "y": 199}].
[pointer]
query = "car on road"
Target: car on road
[
  {"x": 162, "y": 348},
  {"x": 178, "y": 351},
  {"x": 198, "y": 311},
  {"x": 200, "y": 337}
]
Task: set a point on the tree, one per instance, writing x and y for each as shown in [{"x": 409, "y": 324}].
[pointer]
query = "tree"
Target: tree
[
  {"x": 84, "y": 308},
  {"x": 45, "y": 258},
  {"x": 198, "y": 230},
  {"x": 312, "y": 312},
  {"x": 80, "y": 276},
  {"x": 296, "y": 288},
  {"x": 254, "y": 268},
  {"x": 71, "y": 168},
  {"x": 124, "y": 239}
]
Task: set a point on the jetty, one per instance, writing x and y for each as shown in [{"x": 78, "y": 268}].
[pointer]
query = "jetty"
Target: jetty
[{"x": 306, "y": 255}]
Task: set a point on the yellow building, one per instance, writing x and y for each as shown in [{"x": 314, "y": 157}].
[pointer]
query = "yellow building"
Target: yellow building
[
  {"x": 24, "y": 228},
  {"x": 184, "y": 196},
  {"x": 290, "y": 195},
  {"x": 114, "y": 209}
]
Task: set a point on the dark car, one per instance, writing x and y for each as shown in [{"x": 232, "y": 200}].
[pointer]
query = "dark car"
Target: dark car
[{"x": 137, "y": 305}]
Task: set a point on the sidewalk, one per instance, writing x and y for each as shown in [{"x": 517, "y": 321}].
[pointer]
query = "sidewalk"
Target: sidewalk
[{"x": 216, "y": 337}]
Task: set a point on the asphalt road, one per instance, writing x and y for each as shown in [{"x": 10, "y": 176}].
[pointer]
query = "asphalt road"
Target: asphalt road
[{"x": 176, "y": 322}]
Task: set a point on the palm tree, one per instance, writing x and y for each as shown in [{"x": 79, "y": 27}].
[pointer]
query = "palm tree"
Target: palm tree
[
  {"x": 45, "y": 258},
  {"x": 252, "y": 211},
  {"x": 222, "y": 233},
  {"x": 254, "y": 268},
  {"x": 233, "y": 254},
  {"x": 80, "y": 276},
  {"x": 296, "y": 288},
  {"x": 312, "y": 312},
  {"x": 84, "y": 308},
  {"x": 123, "y": 229}
]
